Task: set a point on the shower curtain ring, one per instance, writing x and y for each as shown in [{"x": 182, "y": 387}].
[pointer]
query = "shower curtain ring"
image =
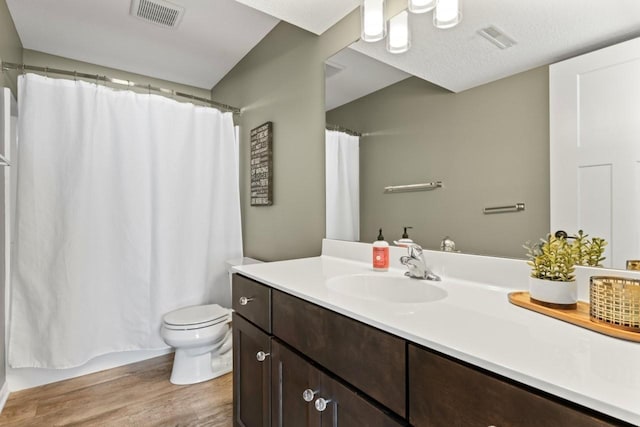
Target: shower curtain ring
[
  {"x": 22, "y": 69},
  {"x": 75, "y": 76},
  {"x": 46, "y": 71},
  {"x": 149, "y": 88}
]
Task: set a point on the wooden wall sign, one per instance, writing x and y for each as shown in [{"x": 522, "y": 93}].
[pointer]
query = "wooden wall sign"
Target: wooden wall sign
[{"x": 262, "y": 165}]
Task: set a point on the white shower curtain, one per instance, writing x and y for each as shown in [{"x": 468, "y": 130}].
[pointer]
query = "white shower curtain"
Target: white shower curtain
[
  {"x": 128, "y": 206},
  {"x": 342, "y": 171}
]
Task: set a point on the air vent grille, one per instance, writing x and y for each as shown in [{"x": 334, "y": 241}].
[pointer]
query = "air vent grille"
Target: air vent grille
[
  {"x": 497, "y": 37},
  {"x": 157, "y": 11}
]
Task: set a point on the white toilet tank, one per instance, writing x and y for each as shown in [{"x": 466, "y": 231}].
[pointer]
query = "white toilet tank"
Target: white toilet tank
[{"x": 239, "y": 261}]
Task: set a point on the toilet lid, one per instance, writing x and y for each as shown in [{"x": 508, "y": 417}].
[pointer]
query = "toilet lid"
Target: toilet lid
[{"x": 196, "y": 315}]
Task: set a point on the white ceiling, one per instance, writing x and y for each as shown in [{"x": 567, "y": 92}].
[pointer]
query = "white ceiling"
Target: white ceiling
[
  {"x": 212, "y": 37},
  {"x": 346, "y": 80},
  {"x": 215, "y": 34},
  {"x": 315, "y": 16},
  {"x": 546, "y": 31}
]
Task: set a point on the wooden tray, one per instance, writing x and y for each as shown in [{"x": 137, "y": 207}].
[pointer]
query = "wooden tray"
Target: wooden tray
[{"x": 578, "y": 316}]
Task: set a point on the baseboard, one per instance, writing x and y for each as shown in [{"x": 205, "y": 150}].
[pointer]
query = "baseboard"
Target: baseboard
[{"x": 4, "y": 395}]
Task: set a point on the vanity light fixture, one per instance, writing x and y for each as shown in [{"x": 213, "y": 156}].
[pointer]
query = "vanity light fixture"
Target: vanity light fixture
[
  {"x": 373, "y": 22},
  {"x": 421, "y": 6},
  {"x": 399, "y": 39},
  {"x": 374, "y": 28},
  {"x": 447, "y": 14}
]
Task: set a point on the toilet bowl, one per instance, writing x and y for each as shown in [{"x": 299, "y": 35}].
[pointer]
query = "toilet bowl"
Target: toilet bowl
[{"x": 201, "y": 336}]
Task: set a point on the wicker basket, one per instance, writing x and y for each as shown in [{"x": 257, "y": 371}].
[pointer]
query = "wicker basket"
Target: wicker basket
[
  {"x": 615, "y": 301},
  {"x": 633, "y": 264}
]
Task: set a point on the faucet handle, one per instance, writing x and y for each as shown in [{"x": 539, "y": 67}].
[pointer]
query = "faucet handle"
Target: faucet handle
[{"x": 415, "y": 251}]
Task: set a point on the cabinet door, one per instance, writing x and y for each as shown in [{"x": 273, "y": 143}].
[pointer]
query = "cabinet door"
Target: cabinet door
[
  {"x": 371, "y": 360},
  {"x": 329, "y": 404},
  {"x": 251, "y": 375},
  {"x": 291, "y": 376},
  {"x": 446, "y": 393},
  {"x": 347, "y": 408},
  {"x": 252, "y": 300}
]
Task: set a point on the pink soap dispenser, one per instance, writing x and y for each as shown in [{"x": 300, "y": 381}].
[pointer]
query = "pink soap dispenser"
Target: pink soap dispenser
[{"x": 380, "y": 254}]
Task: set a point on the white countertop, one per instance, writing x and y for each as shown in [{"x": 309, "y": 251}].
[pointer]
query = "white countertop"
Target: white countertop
[{"x": 476, "y": 323}]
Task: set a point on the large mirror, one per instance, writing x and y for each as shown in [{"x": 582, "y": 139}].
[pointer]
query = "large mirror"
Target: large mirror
[{"x": 488, "y": 146}]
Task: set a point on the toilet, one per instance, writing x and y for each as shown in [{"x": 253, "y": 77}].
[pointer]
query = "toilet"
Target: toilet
[
  {"x": 201, "y": 335},
  {"x": 202, "y": 338}
]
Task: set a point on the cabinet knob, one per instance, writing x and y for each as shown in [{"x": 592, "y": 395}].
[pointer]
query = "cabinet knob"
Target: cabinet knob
[
  {"x": 261, "y": 355},
  {"x": 321, "y": 404},
  {"x": 245, "y": 300},
  {"x": 309, "y": 394}
]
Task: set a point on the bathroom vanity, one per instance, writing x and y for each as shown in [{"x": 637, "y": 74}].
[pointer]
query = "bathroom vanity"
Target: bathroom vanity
[{"x": 309, "y": 349}]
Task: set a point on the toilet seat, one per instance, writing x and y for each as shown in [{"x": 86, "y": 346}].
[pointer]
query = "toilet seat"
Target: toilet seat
[{"x": 196, "y": 317}]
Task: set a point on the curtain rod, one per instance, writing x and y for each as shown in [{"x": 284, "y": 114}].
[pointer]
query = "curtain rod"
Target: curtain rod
[
  {"x": 46, "y": 70},
  {"x": 345, "y": 130}
]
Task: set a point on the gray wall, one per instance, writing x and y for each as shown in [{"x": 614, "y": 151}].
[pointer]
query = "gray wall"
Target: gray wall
[
  {"x": 10, "y": 46},
  {"x": 11, "y": 51},
  {"x": 488, "y": 145},
  {"x": 282, "y": 80}
]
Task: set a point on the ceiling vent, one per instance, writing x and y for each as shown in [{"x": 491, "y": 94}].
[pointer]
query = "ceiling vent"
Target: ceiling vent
[
  {"x": 497, "y": 37},
  {"x": 159, "y": 12}
]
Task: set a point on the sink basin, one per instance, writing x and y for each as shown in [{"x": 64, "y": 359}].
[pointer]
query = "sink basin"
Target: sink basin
[{"x": 386, "y": 288}]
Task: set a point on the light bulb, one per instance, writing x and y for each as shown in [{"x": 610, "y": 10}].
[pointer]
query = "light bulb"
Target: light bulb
[
  {"x": 447, "y": 14},
  {"x": 372, "y": 15},
  {"x": 421, "y": 6},
  {"x": 399, "y": 39}
]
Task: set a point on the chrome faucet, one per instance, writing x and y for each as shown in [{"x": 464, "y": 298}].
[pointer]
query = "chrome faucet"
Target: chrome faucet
[{"x": 416, "y": 265}]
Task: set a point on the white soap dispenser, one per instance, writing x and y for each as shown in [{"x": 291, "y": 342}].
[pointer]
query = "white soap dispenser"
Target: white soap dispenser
[{"x": 405, "y": 241}]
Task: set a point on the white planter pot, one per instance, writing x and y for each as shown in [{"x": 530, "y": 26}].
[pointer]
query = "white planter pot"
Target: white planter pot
[{"x": 547, "y": 291}]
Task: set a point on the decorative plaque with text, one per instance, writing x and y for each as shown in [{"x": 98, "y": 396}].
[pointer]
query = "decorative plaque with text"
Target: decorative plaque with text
[{"x": 262, "y": 165}]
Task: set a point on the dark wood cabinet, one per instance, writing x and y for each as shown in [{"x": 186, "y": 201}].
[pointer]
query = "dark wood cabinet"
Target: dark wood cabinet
[
  {"x": 251, "y": 376},
  {"x": 304, "y": 396},
  {"x": 371, "y": 360},
  {"x": 361, "y": 376},
  {"x": 291, "y": 376},
  {"x": 444, "y": 392},
  {"x": 252, "y": 301}
]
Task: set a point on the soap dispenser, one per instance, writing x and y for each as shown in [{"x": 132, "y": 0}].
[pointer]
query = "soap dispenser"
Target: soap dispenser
[
  {"x": 380, "y": 253},
  {"x": 405, "y": 240}
]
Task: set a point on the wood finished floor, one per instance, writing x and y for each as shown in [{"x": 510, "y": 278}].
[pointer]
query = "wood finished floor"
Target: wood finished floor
[{"x": 139, "y": 394}]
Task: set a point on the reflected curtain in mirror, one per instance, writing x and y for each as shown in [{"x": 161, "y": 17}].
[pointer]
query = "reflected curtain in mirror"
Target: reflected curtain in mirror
[{"x": 342, "y": 163}]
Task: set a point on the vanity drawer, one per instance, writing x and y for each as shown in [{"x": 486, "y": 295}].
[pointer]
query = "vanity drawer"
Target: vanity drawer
[
  {"x": 252, "y": 301},
  {"x": 444, "y": 392},
  {"x": 367, "y": 358}
]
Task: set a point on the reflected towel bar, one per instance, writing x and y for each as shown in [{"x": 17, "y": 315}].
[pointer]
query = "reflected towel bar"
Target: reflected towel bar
[
  {"x": 503, "y": 209},
  {"x": 413, "y": 187}
]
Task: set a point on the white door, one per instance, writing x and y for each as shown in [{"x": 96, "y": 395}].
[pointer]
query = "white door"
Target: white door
[{"x": 595, "y": 148}]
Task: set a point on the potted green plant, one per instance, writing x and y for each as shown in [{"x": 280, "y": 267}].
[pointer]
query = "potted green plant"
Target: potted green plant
[
  {"x": 552, "y": 281},
  {"x": 589, "y": 252}
]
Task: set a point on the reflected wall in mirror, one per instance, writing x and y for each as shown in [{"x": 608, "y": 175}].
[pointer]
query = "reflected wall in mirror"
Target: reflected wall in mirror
[{"x": 489, "y": 144}]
